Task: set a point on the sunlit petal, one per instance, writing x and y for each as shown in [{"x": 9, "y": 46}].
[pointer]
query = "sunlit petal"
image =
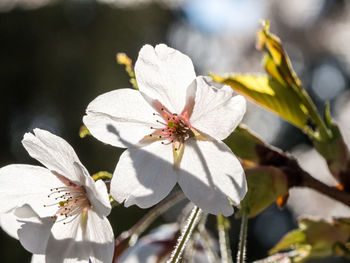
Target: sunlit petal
[
  {"x": 217, "y": 176},
  {"x": 164, "y": 74},
  {"x": 53, "y": 152},
  {"x": 120, "y": 117},
  {"x": 215, "y": 111}
]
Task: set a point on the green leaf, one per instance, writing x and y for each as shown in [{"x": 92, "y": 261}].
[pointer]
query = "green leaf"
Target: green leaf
[
  {"x": 270, "y": 94},
  {"x": 278, "y": 59},
  {"x": 335, "y": 151},
  {"x": 291, "y": 239},
  {"x": 265, "y": 185},
  {"x": 286, "y": 257},
  {"x": 321, "y": 235},
  {"x": 316, "y": 239},
  {"x": 243, "y": 143},
  {"x": 282, "y": 91}
]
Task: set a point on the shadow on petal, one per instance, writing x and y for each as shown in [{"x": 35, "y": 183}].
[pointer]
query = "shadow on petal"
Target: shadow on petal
[{"x": 208, "y": 192}]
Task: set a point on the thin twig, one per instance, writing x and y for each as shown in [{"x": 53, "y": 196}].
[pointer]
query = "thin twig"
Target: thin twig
[
  {"x": 296, "y": 176},
  {"x": 332, "y": 192}
]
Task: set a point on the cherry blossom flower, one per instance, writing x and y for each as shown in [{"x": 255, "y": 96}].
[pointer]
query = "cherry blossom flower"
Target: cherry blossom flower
[
  {"x": 61, "y": 209},
  {"x": 157, "y": 246},
  {"x": 172, "y": 127}
]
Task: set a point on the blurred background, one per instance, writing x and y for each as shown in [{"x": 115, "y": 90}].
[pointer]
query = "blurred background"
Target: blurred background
[{"x": 56, "y": 56}]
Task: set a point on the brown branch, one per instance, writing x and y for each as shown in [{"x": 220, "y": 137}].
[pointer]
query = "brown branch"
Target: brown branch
[
  {"x": 311, "y": 182},
  {"x": 296, "y": 176}
]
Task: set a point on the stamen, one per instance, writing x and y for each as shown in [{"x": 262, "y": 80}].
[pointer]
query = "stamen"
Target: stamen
[
  {"x": 176, "y": 128},
  {"x": 71, "y": 201},
  {"x": 161, "y": 122}
]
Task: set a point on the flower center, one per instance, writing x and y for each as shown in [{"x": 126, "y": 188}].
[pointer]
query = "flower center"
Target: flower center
[
  {"x": 176, "y": 128},
  {"x": 71, "y": 201}
]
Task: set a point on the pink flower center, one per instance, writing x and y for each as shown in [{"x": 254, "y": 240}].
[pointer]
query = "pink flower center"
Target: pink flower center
[
  {"x": 176, "y": 128},
  {"x": 71, "y": 201}
]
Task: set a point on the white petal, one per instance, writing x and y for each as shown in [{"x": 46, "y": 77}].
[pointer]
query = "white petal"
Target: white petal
[
  {"x": 215, "y": 175},
  {"x": 27, "y": 184},
  {"x": 145, "y": 252},
  {"x": 151, "y": 248},
  {"x": 35, "y": 231},
  {"x": 120, "y": 117},
  {"x": 100, "y": 239},
  {"x": 38, "y": 259},
  {"x": 144, "y": 176},
  {"x": 65, "y": 243},
  {"x": 96, "y": 191},
  {"x": 53, "y": 152},
  {"x": 215, "y": 111},
  {"x": 74, "y": 242},
  {"x": 9, "y": 223},
  {"x": 164, "y": 74}
]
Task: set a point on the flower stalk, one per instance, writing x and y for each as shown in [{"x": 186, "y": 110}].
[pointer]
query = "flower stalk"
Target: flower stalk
[
  {"x": 242, "y": 250},
  {"x": 223, "y": 226},
  {"x": 185, "y": 236},
  {"x": 208, "y": 244}
]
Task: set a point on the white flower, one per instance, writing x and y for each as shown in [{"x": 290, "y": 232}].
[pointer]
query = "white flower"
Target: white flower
[
  {"x": 62, "y": 210},
  {"x": 153, "y": 247},
  {"x": 173, "y": 128},
  {"x": 157, "y": 246}
]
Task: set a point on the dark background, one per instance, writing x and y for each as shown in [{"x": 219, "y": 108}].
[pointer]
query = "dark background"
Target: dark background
[{"x": 55, "y": 59}]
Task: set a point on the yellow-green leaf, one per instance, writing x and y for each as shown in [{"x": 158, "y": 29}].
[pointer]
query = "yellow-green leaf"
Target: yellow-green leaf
[
  {"x": 243, "y": 143},
  {"x": 265, "y": 185},
  {"x": 316, "y": 239},
  {"x": 292, "y": 239},
  {"x": 272, "y": 44},
  {"x": 271, "y": 94},
  {"x": 321, "y": 235}
]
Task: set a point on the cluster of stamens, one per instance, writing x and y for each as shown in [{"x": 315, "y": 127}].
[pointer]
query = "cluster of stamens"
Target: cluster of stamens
[
  {"x": 176, "y": 128},
  {"x": 71, "y": 201}
]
